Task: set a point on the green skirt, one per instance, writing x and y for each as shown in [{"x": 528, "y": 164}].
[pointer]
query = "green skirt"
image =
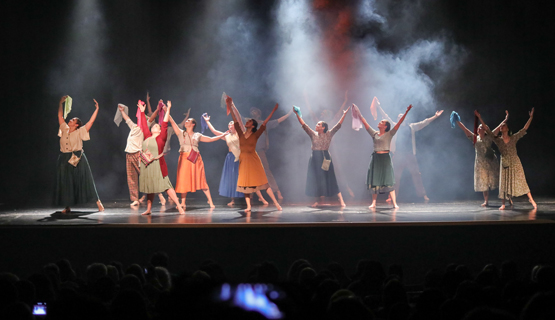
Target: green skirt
[
  {"x": 74, "y": 185},
  {"x": 381, "y": 177}
]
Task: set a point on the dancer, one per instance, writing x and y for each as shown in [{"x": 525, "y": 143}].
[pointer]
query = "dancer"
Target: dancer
[
  {"x": 512, "y": 181},
  {"x": 263, "y": 145},
  {"x": 154, "y": 172},
  {"x": 321, "y": 181},
  {"x": 251, "y": 172},
  {"x": 403, "y": 148},
  {"x": 230, "y": 171},
  {"x": 190, "y": 168},
  {"x": 132, "y": 156},
  {"x": 381, "y": 176},
  {"x": 74, "y": 181},
  {"x": 486, "y": 165}
]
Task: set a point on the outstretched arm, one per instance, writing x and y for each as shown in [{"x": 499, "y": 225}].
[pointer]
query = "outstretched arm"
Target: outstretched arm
[
  {"x": 61, "y": 111},
  {"x": 403, "y": 118},
  {"x": 343, "y": 116},
  {"x": 167, "y": 114},
  {"x": 211, "y": 127},
  {"x": 364, "y": 122},
  {"x": 527, "y": 125},
  {"x": 467, "y": 132},
  {"x": 123, "y": 114},
  {"x": 271, "y": 114},
  {"x": 301, "y": 121},
  {"x": 477, "y": 114},
  {"x": 93, "y": 117},
  {"x": 282, "y": 118},
  {"x": 176, "y": 129},
  {"x": 204, "y": 138},
  {"x": 235, "y": 115},
  {"x": 153, "y": 116},
  {"x": 496, "y": 130}
]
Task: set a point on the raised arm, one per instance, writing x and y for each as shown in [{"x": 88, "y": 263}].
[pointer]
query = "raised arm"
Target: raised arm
[
  {"x": 496, "y": 130},
  {"x": 93, "y": 117},
  {"x": 312, "y": 114},
  {"x": 477, "y": 114},
  {"x": 343, "y": 116},
  {"x": 142, "y": 124},
  {"x": 403, "y": 118},
  {"x": 176, "y": 129},
  {"x": 467, "y": 132},
  {"x": 301, "y": 121},
  {"x": 364, "y": 122},
  {"x": 342, "y": 106},
  {"x": 153, "y": 116},
  {"x": 211, "y": 127},
  {"x": 148, "y": 104},
  {"x": 282, "y": 118},
  {"x": 235, "y": 115},
  {"x": 167, "y": 115},
  {"x": 527, "y": 125},
  {"x": 123, "y": 114},
  {"x": 61, "y": 111},
  {"x": 271, "y": 114}
]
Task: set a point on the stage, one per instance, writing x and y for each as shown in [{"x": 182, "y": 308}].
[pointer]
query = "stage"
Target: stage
[{"x": 418, "y": 236}]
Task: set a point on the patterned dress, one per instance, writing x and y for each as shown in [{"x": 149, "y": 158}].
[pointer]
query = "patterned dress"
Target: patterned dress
[
  {"x": 486, "y": 165},
  {"x": 512, "y": 182}
]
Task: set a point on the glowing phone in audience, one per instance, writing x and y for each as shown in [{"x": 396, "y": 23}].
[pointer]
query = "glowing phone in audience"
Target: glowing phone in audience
[
  {"x": 39, "y": 309},
  {"x": 252, "y": 297}
]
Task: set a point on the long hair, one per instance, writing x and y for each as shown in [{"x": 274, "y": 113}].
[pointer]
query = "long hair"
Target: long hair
[{"x": 254, "y": 125}]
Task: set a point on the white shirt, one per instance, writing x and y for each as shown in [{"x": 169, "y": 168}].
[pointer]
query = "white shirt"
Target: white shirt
[
  {"x": 135, "y": 138},
  {"x": 73, "y": 141},
  {"x": 232, "y": 141}
]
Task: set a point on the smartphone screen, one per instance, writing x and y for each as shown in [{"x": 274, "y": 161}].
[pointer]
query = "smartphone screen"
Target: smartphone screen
[{"x": 39, "y": 309}]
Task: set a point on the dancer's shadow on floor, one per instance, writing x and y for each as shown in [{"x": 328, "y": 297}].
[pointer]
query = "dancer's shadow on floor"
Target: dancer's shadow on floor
[{"x": 73, "y": 215}]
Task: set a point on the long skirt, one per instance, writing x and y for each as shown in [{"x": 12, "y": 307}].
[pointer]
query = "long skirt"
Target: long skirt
[
  {"x": 320, "y": 183},
  {"x": 381, "y": 176},
  {"x": 190, "y": 176},
  {"x": 74, "y": 185},
  {"x": 252, "y": 176},
  {"x": 228, "y": 181}
]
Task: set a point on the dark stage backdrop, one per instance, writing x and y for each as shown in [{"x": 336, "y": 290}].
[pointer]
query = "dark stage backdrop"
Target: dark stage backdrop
[{"x": 114, "y": 51}]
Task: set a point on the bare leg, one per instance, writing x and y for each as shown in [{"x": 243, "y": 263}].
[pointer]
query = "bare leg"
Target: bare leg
[
  {"x": 183, "y": 198},
  {"x": 142, "y": 199},
  {"x": 66, "y": 210},
  {"x": 172, "y": 195},
  {"x": 271, "y": 194},
  {"x": 231, "y": 203},
  {"x": 394, "y": 199},
  {"x": 135, "y": 203},
  {"x": 149, "y": 199},
  {"x": 162, "y": 199},
  {"x": 261, "y": 198},
  {"x": 374, "y": 197},
  {"x": 315, "y": 204},
  {"x": 529, "y": 194},
  {"x": 502, "y": 204},
  {"x": 486, "y": 197},
  {"x": 341, "y": 200},
  {"x": 248, "y": 200},
  {"x": 426, "y": 199},
  {"x": 209, "y": 197},
  {"x": 100, "y": 206},
  {"x": 280, "y": 197}
]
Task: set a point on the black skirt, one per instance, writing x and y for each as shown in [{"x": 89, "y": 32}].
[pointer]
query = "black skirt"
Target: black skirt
[
  {"x": 74, "y": 185},
  {"x": 318, "y": 181}
]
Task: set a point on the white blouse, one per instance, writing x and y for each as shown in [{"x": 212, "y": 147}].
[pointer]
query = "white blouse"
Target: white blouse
[
  {"x": 232, "y": 141},
  {"x": 73, "y": 141},
  {"x": 187, "y": 141}
]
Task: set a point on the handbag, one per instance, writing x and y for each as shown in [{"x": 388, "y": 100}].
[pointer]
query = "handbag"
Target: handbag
[
  {"x": 193, "y": 155},
  {"x": 326, "y": 163},
  {"x": 74, "y": 160},
  {"x": 147, "y": 157}
]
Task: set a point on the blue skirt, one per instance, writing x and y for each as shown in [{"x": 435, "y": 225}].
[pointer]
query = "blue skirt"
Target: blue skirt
[
  {"x": 228, "y": 182},
  {"x": 74, "y": 185},
  {"x": 319, "y": 182}
]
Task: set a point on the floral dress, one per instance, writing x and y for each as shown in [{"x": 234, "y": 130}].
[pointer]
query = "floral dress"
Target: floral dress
[{"x": 486, "y": 165}]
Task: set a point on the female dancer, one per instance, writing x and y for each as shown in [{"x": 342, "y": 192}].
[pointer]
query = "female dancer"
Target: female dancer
[
  {"x": 251, "y": 172},
  {"x": 319, "y": 182},
  {"x": 381, "y": 177},
  {"x": 486, "y": 165},
  {"x": 230, "y": 171},
  {"x": 191, "y": 176},
  {"x": 154, "y": 175},
  {"x": 512, "y": 182},
  {"x": 74, "y": 184}
]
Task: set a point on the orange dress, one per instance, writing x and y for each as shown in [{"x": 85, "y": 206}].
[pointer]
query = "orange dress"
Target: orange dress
[
  {"x": 190, "y": 176},
  {"x": 252, "y": 176}
]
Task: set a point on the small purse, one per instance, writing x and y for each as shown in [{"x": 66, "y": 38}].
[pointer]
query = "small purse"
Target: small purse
[
  {"x": 74, "y": 160},
  {"x": 193, "y": 155},
  {"x": 326, "y": 163},
  {"x": 147, "y": 157}
]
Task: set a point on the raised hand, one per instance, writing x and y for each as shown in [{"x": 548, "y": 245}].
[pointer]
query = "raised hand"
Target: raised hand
[
  {"x": 438, "y": 113},
  {"x": 228, "y": 100},
  {"x": 169, "y": 105},
  {"x": 277, "y": 105},
  {"x": 120, "y": 107},
  {"x": 410, "y": 107},
  {"x": 95, "y": 103},
  {"x": 141, "y": 106},
  {"x": 347, "y": 110},
  {"x": 206, "y": 118},
  {"x": 147, "y": 96},
  {"x": 531, "y": 113},
  {"x": 477, "y": 114},
  {"x": 63, "y": 99}
]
